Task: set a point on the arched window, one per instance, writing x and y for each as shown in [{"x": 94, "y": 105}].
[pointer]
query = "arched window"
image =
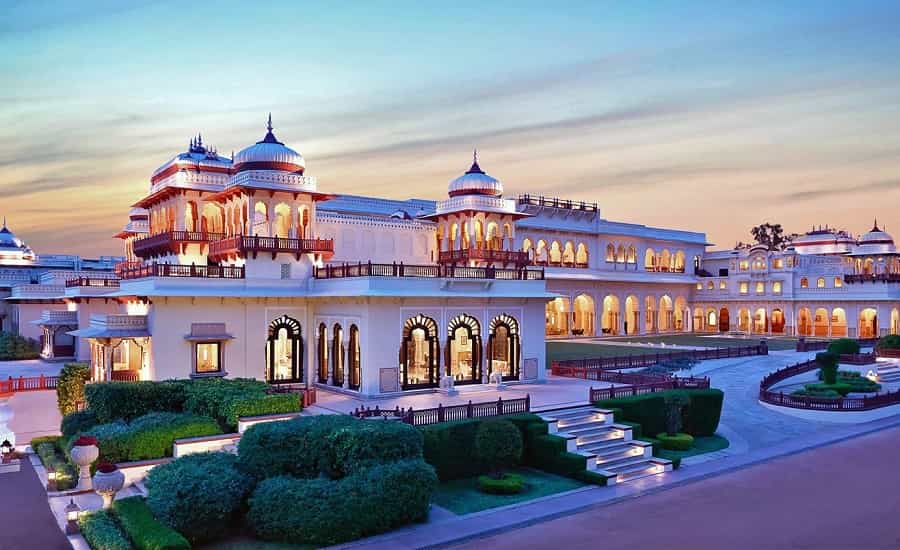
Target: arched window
[
  {"x": 632, "y": 255},
  {"x": 337, "y": 355},
  {"x": 526, "y": 247},
  {"x": 504, "y": 347},
  {"x": 679, "y": 261},
  {"x": 555, "y": 253},
  {"x": 540, "y": 253},
  {"x": 820, "y": 282},
  {"x": 620, "y": 254},
  {"x": 610, "y": 253},
  {"x": 284, "y": 351},
  {"x": 419, "y": 353},
  {"x": 463, "y": 361},
  {"x": 665, "y": 260},
  {"x": 353, "y": 352},
  {"x": 568, "y": 256},
  {"x": 650, "y": 260},
  {"x": 581, "y": 255},
  {"x": 804, "y": 282},
  {"x": 283, "y": 227},
  {"x": 323, "y": 353}
]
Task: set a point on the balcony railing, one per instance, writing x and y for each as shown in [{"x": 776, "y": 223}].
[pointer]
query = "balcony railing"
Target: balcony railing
[
  {"x": 513, "y": 257},
  {"x": 242, "y": 245},
  {"x": 663, "y": 269},
  {"x": 562, "y": 263},
  {"x": 873, "y": 278},
  {"x": 171, "y": 242},
  {"x": 92, "y": 282},
  {"x": 177, "y": 270},
  {"x": 555, "y": 202},
  {"x": 427, "y": 271}
]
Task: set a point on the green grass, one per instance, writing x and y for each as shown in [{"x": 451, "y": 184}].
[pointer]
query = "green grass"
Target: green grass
[
  {"x": 557, "y": 351},
  {"x": 702, "y": 445},
  {"x": 461, "y": 496},
  {"x": 246, "y": 542},
  {"x": 604, "y": 348}
]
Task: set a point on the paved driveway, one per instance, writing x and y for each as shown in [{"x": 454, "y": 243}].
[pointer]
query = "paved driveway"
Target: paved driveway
[
  {"x": 840, "y": 496},
  {"x": 25, "y": 518}
]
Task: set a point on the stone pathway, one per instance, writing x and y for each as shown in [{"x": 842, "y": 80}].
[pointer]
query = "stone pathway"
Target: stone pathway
[{"x": 25, "y": 517}]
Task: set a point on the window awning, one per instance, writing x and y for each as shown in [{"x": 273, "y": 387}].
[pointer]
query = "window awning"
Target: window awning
[{"x": 208, "y": 332}]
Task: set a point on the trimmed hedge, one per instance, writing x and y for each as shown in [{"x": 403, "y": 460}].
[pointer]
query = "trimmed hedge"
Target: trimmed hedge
[
  {"x": 366, "y": 503},
  {"x": 229, "y": 399},
  {"x": 149, "y": 436},
  {"x": 198, "y": 495},
  {"x": 840, "y": 388},
  {"x": 80, "y": 421},
  {"x": 677, "y": 442},
  {"x": 112, "y": 401},
  {"x": 295, "y": 447},
  {"x": 143, "y": 529},
  {"x": 701, "y": 417},
  {"x": 70, "y": 386},
  {"x": 102, "y": 532},
  {"x": 498, "y": 444},
  {"x": 13, "y": 347},
  {"x": 891, "y": 341},
  {"x": 843, "y": 346},
  {"x": 509, "y": 484},
  {"x": 49, "y": 450},
  {"x": 360, "y": 445}
]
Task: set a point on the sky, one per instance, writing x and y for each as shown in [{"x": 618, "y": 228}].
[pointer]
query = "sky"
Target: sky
[{"x": 712, "y": 116}]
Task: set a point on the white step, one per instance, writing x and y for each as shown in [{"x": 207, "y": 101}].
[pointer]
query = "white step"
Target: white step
[
  {"x": 601, "y": 435},
  {"x": 614, "y": 454}
]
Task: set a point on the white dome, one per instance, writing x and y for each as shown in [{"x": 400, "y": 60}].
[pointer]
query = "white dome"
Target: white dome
[
  {"x": 475, "y": 182},
  {"x": 269, "y": 154},
  {"x": 875, "y": 241}
]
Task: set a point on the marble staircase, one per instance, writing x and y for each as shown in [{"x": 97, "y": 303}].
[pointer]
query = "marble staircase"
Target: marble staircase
[{"x": 888, "y": 372}]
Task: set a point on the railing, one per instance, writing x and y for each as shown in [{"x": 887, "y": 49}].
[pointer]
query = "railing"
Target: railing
[
  {"x": 92, "y": 282},
  {"x": 873, "y": 278},
  {"x": 555, "y": 202},
  {"x": 663, "y": 269},
  {"x": 484, "y": 254},
  {"x": 564, "y": 367},
  {"x": 892, "y": 353},
  {"x": 35, "y": 383},
  {"x": 651, "y": 384},
  {"x": 125, "y": 376},
  {"x": 242, "y": 244},
  {"x": 177, "y": 270},
  {"x": 781, "y": 399},
  {"x": 805, "y": 345},
  {"x": 436, "y": 415},
  {"x": 369, "y": 269},
  {"x": 170, "y": 241}
]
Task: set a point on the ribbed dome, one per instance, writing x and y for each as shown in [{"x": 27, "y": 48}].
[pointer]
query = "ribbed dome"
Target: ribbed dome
[
  {"x": 475, "y": 182},
  {"x": 8, "y": 239},
  {"x": 269, "y": 154},
  {"x": 11, "y": 247},
  {"x": 876, "y": 236}
]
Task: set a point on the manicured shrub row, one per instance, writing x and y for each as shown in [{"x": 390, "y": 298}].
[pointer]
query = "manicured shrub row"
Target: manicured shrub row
[
  {"x": 49, "y": 451},
  {"x": 843, "y": 346},
  {"x": 891, "y": 341},
  {"x": 676, "y": 442},
  {"x": 13, "y": 346},
  {"x": 144, "y": 531},
  {"x": 70, "y": 386},
  {"x": 509, "y": 484},
  {"x": 102, "y": 532},
  {"x": 840, "y": 388},
  {"x": 700, "y": 417},
  {"x": 199, "y": 495},
  {"x": 149, "y": 436},
  {"x": 223, "y": 399},
  {"x": 857, "y": 382},
  {"x": 80, "y": 421},
  {"x": 827, "y": 394},
  {"x": 498, "y": 445},
  {"x": 323, "y": 512},
  {"x": 333, "y": 445}
]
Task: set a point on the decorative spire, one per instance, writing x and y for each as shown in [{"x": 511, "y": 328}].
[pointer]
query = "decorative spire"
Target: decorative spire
[
  {"x": 4, "y": 222},
  {"x": 270, "y": 137},
  {"x": 199, "y": 139},
  {"x": 475, "y": 169},
  {"x": 875, "y": 227},
  {"x": 269, "y": 125}
]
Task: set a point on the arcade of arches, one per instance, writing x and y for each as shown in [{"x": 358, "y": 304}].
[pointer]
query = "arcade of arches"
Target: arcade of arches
[
  {"x": 578, "y": 316},
  {"x": 810, "y": 321}
]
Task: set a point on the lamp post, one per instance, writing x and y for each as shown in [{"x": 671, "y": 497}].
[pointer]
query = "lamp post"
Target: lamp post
[
  {"x": 51, "y": 478},
  {"x": 72, "y": 512},
  {"x": 6, "y": 449}
]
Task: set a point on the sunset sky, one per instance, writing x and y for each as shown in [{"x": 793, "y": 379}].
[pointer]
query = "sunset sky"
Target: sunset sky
[{"x": 711, "y": 117}]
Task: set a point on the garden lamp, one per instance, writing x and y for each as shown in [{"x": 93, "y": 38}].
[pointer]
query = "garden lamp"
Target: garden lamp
[
  {"x": 51, "y": 478},
  {"x": 72, "y": 511}
]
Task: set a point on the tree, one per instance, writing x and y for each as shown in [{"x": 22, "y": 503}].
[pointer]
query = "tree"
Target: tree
[
  {"x": 828, "y": 364},
  {"x": 770, "y": 235},
  {"x": 675, "y": 403},
  {"x": 498, "y": 443}
]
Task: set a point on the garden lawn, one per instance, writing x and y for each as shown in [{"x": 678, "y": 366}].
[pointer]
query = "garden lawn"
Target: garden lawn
[
  {"x": 557, "y": 351},
  {"x": 775, "y": 343},
  {"x": 702, "y": 445},
  {"x": 461, "y": 496},
  {"x": 247, "y": 542}
]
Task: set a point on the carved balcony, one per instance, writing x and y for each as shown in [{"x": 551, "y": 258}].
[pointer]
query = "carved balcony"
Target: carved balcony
[
  {"x": 171, "y": 242},
  {"x": 243, "y": 246}
]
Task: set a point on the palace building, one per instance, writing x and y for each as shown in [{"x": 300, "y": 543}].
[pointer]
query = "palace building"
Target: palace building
[{"x": 246, "y": 267}]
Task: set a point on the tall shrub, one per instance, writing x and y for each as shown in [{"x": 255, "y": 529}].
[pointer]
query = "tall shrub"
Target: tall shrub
[
  {"x": 70, "y": 386},
  {"x": 675, "y": 404},
  {"x": 828, "y": 364},
  {"x": 844, "y": 346},
  {"x": 126, "y": 400},
  {"x": 498, "y": 444}
]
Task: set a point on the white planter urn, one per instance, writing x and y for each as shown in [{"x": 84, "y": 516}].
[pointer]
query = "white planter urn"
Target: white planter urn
[
  {"x": 84, "y": 452},
  {"x": 108, "y": 480}
]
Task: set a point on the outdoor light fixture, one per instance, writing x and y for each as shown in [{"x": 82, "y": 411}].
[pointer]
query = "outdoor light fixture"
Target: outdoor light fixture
[
  {"x": 6, "y": 450},
  {"x": 72, "y": 512},
  {"x": 51, "y": 478}
]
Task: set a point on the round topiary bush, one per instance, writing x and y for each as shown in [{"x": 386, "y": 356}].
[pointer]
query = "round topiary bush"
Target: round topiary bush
[
  {"x": 844, "y": 346},
  {"x": 498, "y": 444},
  {"x": 828, "y": 364},
  {"x": 509, "y": 484},
  {"x": 676, "y": 442},
  {"x": 198, "y": 495}
]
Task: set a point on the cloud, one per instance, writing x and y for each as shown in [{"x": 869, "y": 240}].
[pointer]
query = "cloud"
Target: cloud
[{"x": 831, "y": 191}]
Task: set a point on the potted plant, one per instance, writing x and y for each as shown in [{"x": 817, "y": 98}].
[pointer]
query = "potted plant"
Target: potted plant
[
  {"x": 108, "y": 480},
  {"x": 84, "y": 452}
]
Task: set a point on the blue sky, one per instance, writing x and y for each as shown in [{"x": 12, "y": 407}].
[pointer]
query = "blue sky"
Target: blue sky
[{"x": 708, "y": 116}]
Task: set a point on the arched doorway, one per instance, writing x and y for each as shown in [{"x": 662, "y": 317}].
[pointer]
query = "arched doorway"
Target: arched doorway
[
  {"x": 632, "y": 315},
  {"x": 504, "y": 347},
  {"x": 337, "y": 355},
  {"x": 284, "y": 351},
  {"x": 354, "y": 356},
  {"x": 777, "y": 321},
  {"x": 679, "y": 314},
  {"x": 868, "y": 323},
  {"x": 665, "y": 313},
  {"x": 724, "y": 320},
  {"x": 699, "y": 322},
  {"x": 838, "y": 322},
  {"x": 557, "y": 317},
  {"x": 744, "y": 320},
  {"x": 760, "y": 321},
  {"x": 464, "y": 350},
  {"x": 610, "y": 321},
  {"x": 322, "y": 345},
  {"x": 419, "y": 353},
  {"x": 820, "y": 324},
  {"x": 584, "y": 316},
  {"x": 804, "y": 322}
]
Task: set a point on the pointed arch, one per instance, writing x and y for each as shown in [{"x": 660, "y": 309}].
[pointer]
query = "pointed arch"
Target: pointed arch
[
  {"x": 610, "y": 252},
  {"x": 284, "y": 350},
  {"x": 504, "y": 347},
  {"x": 463, "y": 349},
  {"x": 650, "y": 260},
  {"x": 322, "y": 356},
  {"x": 419, "y": 353},
  {"x": 337, "y": 355},
  {"x": 354, "y": 358},
  {"x": 584, "y": 315}
]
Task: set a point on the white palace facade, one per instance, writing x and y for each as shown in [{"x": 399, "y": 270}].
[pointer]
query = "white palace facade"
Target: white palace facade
[{"x": 245, "y": 267}]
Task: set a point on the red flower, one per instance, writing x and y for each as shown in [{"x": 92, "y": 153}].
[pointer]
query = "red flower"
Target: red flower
[
  {"x": 85, "y": 440},
  {"x": 107, "y": 467}
]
